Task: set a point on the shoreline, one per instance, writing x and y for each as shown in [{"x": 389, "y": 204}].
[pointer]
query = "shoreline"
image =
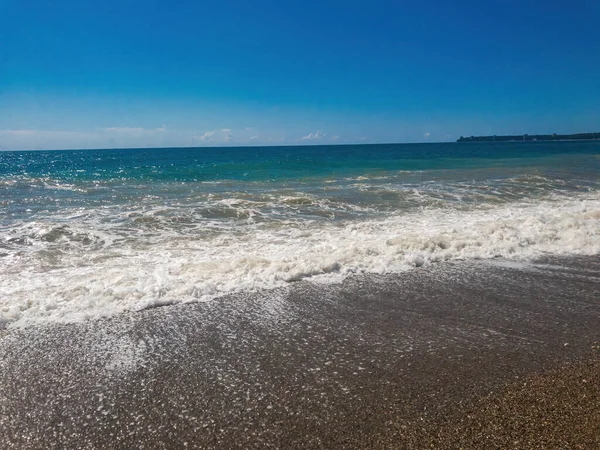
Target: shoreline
[{"x": 394, "y": 361}]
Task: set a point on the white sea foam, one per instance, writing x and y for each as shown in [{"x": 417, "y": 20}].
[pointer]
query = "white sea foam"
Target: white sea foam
[{"x": 93, "y": 271}]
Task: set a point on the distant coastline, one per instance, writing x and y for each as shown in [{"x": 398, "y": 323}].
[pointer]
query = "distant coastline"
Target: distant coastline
[{"x": 532, "y": 137}]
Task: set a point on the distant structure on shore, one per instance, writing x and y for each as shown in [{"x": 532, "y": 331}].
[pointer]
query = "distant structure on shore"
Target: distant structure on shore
[{"x": 532, "y": 137}]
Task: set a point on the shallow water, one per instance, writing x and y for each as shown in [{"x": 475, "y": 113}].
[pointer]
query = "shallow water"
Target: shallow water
[{"x": 87, "y": 234}]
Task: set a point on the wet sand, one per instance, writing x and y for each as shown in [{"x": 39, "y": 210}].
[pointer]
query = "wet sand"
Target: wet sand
[{"x": 478, "y": 355}]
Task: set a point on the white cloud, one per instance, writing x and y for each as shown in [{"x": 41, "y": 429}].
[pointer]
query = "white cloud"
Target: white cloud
[
  {"x": 134, "y": 130},
  {"x": 427, "y": 134},
  {"x": 335, "y": 138},
  {"x": 136, "y": 137},
  {"x": 313, "y": 136},
  {"x": 40, "y": 133},
  {"x": 207, "y": 136},
  {"x": 215, "y": 137},
  {"x": 45, "y": 139},
  {"x": 109, "y": 137},
  {"x": 125, "y": 129}
]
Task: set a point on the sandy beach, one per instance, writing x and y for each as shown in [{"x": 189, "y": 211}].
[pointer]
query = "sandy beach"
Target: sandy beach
[{"x": 467, "y": 354}]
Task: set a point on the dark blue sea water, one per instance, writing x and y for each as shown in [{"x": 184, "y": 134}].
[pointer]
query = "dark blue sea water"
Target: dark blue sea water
[{"x": 90, "y": 233}]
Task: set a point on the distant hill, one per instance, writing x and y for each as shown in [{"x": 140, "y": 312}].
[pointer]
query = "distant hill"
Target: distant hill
[{"x": 531, "y": 137}]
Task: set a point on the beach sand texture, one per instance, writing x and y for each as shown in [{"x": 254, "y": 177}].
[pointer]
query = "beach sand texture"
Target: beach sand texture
[{"x": 464, "y": 354}]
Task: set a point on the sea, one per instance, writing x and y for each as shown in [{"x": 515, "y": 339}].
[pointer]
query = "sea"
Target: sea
[{"x": 87, "y": 234}]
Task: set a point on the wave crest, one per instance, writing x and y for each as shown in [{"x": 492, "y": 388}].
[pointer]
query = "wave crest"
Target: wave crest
[{"x": 98, "y": 274}]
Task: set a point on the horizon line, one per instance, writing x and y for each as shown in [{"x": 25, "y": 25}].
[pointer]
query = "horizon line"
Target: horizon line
[{"x": 228, "y": 146}]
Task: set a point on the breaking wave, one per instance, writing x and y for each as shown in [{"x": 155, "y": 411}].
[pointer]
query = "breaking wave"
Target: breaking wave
[{"x": 97, "y": 263}]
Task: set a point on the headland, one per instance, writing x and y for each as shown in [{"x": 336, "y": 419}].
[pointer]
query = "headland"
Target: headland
[{"x": 531, "y": 137}]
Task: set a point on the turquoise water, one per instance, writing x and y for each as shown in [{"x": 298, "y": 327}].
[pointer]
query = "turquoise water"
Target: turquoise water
[
  {"x": 286, "y": 163},
  {"x": 91, "y": 233},
  {"x": 51, "y": 180}
]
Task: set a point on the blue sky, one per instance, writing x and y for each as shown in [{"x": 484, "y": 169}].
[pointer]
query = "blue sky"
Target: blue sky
[{"x": 98, "y": 74}]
